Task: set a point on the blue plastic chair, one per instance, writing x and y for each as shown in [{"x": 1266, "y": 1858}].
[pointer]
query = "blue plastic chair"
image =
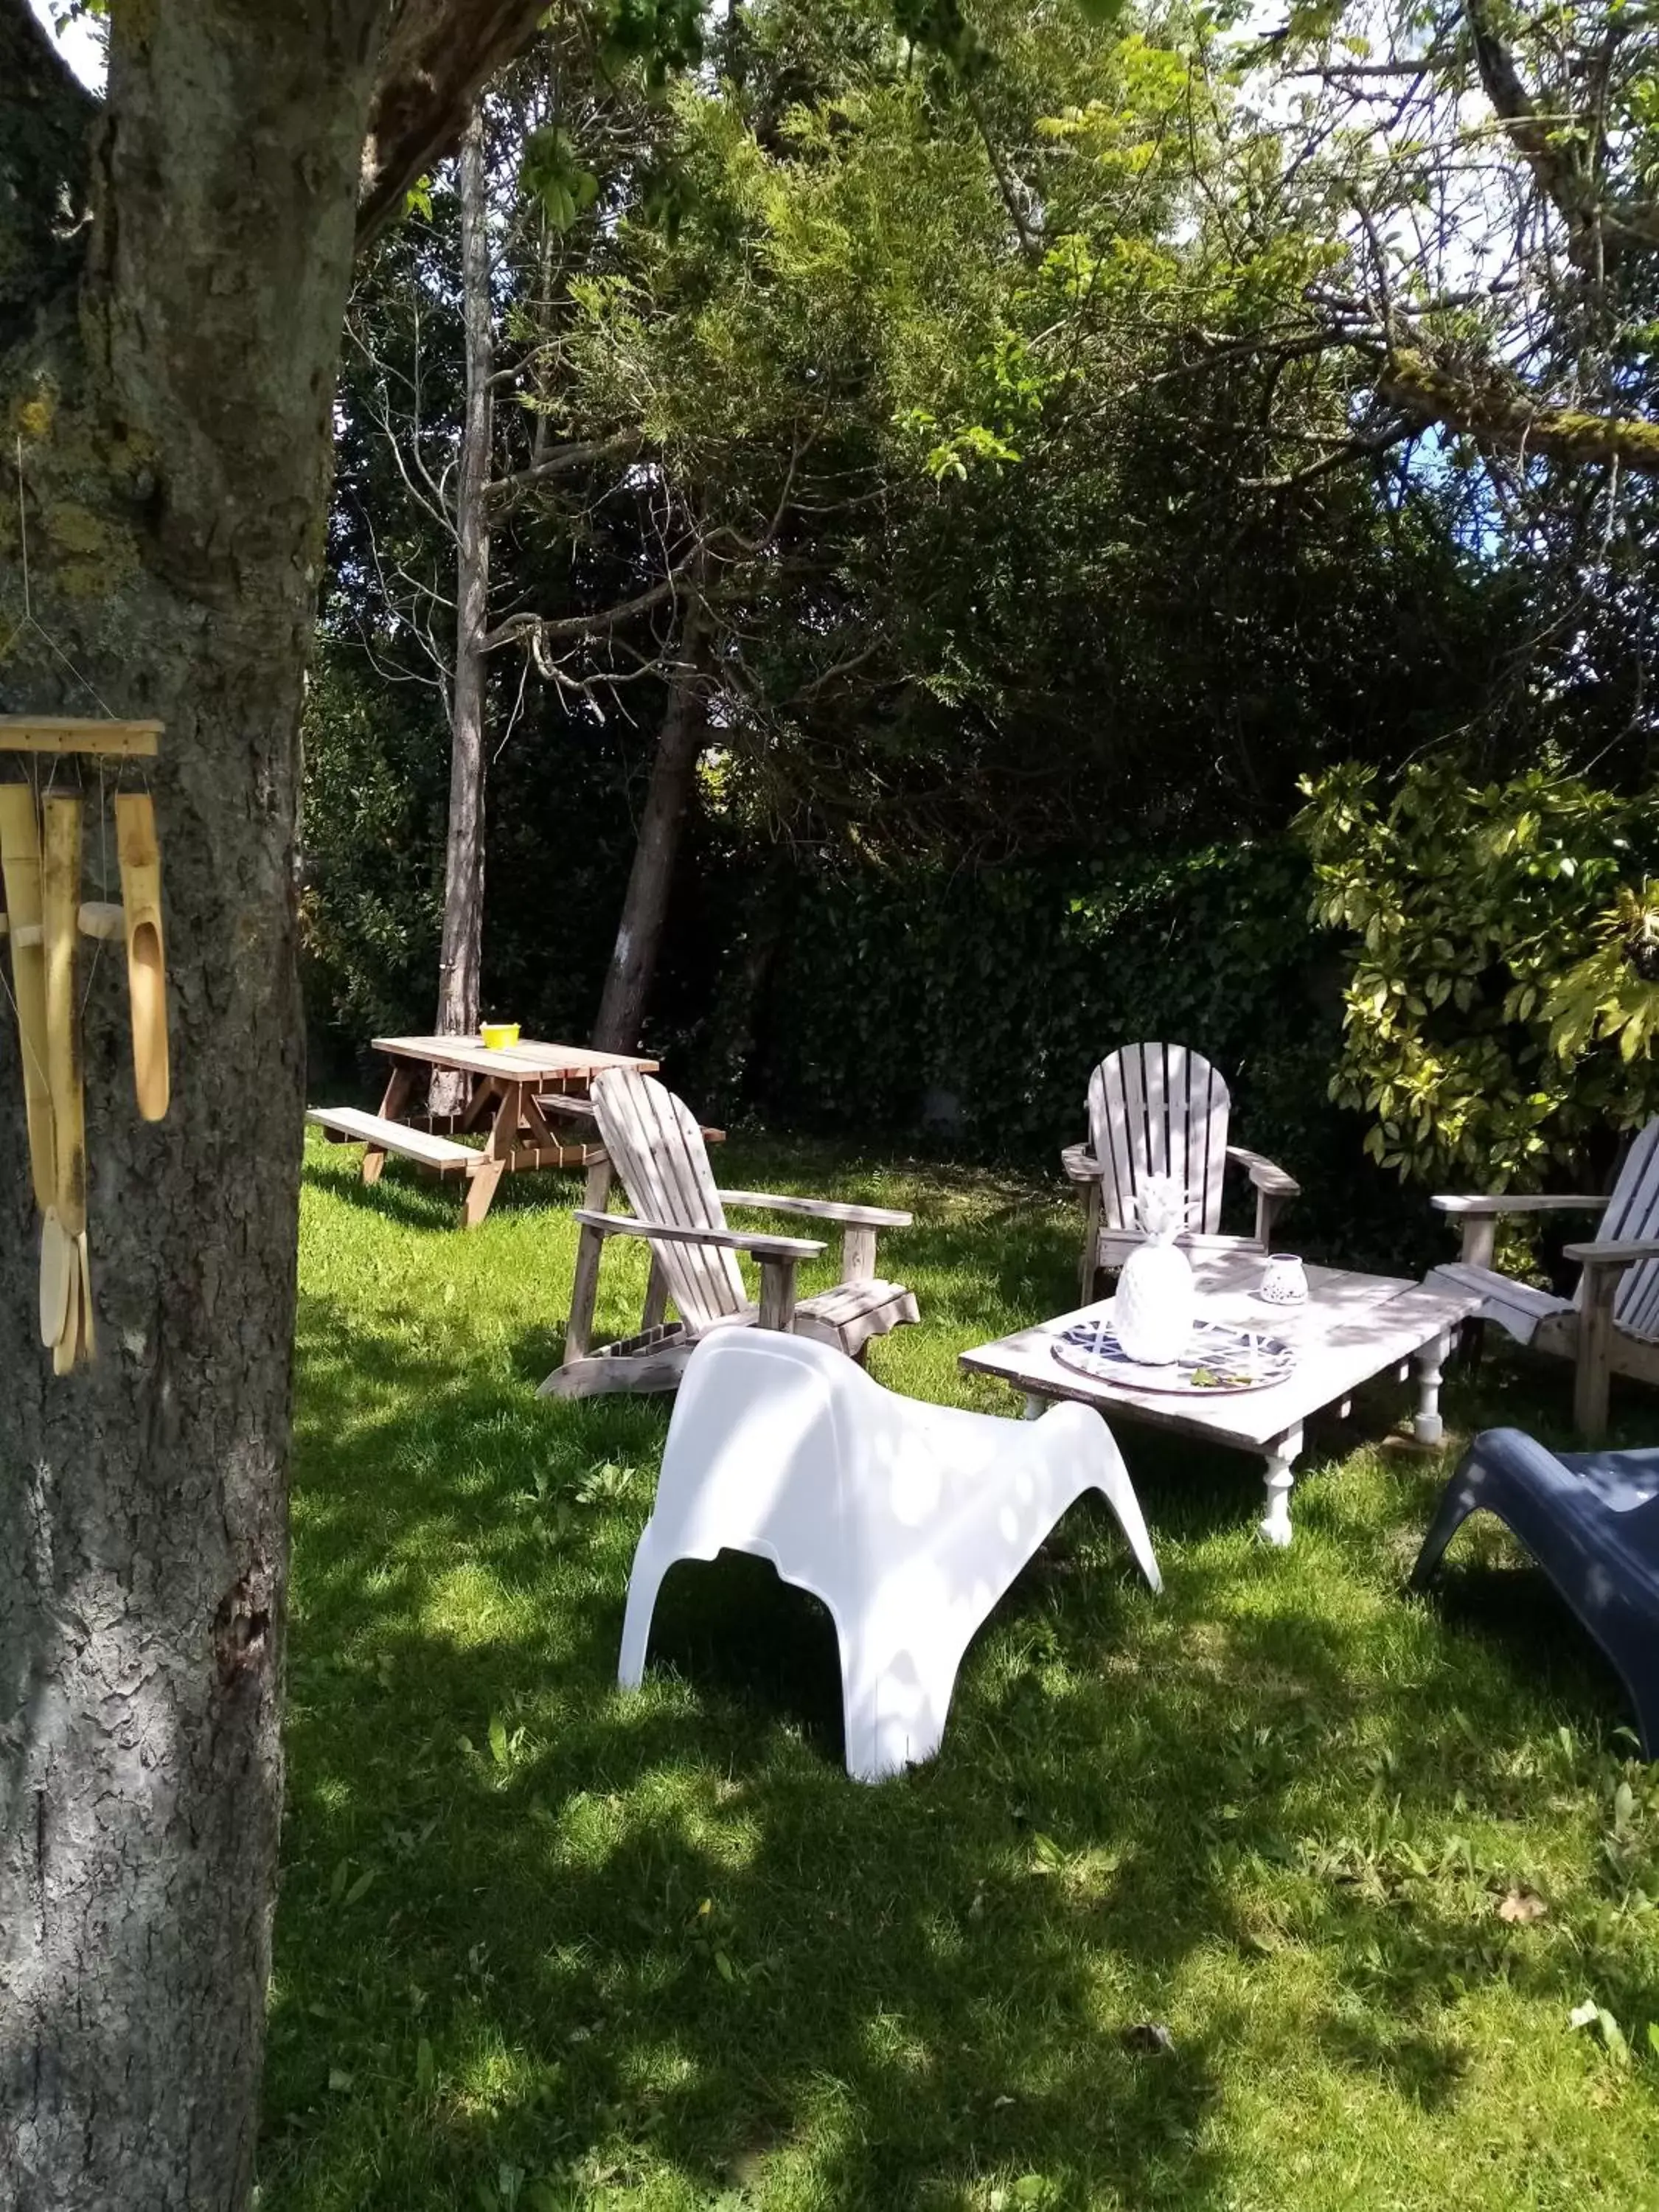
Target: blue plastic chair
[{"x": 1591, "y": 1521}]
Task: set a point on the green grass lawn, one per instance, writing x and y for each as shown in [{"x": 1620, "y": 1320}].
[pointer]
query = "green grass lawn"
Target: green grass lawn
[{"x": 540, "y": 1945}]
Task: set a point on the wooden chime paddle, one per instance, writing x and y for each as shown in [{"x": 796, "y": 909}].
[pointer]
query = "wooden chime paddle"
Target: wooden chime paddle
[
  {"x": 20, "y": 859},
  {"x": 147, "y": 979},
  {"x": 60, "y": 1280},
  {"x": 60, "y": 904}
]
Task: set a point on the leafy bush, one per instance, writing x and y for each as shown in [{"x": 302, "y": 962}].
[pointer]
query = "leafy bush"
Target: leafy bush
[{"x": 1502, "y": 992}]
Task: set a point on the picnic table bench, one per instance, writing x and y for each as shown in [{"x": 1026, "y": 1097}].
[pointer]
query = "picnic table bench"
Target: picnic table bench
[{"x": 513, "y": 1094}]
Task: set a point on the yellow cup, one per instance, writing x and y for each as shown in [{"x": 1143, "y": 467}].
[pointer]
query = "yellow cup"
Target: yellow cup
[{"x": 497, "y": 1036}]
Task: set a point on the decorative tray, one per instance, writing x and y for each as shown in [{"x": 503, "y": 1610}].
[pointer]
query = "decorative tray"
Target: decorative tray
[{"x": 1218, "y": 1357}]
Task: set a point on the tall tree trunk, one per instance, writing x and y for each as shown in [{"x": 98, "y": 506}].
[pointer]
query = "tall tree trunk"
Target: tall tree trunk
[
  {"x": 651, "y": 879},
  {"x": 176, "y": 420},
  {"x": 461, "y": 956},
  {"x": 170, "y": 368}
]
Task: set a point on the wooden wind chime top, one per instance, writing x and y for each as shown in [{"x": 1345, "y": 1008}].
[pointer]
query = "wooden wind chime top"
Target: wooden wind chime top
[{"x": 45, "y": 920}]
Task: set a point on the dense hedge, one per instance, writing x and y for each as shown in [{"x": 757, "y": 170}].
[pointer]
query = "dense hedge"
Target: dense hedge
[
  {"x": 967, "y": 1011},
  {"x": 960, "y": 1011}
]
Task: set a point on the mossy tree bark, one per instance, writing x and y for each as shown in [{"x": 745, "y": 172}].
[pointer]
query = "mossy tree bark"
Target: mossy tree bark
[{"x": 167, "y": 362}]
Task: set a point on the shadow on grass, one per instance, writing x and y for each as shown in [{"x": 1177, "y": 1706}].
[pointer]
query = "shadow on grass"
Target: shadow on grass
[{"x": 539, "y": 1942}]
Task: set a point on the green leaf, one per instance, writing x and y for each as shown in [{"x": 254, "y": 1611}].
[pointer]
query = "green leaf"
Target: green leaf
[{"x": 498, "y": 1744}]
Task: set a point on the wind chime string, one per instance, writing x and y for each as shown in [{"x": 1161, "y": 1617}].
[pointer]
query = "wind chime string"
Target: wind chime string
[{"x": 29, "y": 621}]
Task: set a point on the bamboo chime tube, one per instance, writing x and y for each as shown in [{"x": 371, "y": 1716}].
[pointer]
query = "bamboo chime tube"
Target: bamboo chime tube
[
  {"x": 147, "y": 981},
  {"x": 61, "y": 913},
  {"x": 66, "y": 1223},
  {"x": 20, "y": 859}
]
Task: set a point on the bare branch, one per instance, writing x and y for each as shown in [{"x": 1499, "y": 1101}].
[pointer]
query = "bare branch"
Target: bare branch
[
  {"x": 1551, "y": 152},
  {"x": 1029, "y": 245},
  {"x": 505, "y": 492},
  {"x": 538, "y": 630}
]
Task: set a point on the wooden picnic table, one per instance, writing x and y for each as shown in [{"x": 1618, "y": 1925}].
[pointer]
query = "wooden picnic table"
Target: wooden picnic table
[{"x": 510, "y": 1093}]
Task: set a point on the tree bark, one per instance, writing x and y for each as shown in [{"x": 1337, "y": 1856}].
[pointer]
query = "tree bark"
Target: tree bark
[
  {"x": 645, "y": 907},
  {"x": 171, "y": 375},
  {"x": 461, "y": 957}
]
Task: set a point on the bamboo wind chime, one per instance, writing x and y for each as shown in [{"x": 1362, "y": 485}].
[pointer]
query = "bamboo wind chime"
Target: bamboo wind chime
[{"x": 45, "y": 919}]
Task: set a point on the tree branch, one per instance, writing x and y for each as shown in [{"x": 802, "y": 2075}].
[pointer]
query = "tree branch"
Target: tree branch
[
  {"x": 1500, "y": 416},
  {"x": 505, "y": 492},
  {"x": 1029, "y": 245},
  {"x": 539, "y": 630},
  {"x": 1547, "y": 150},
  {"x": 45, "y": 126},
  {"x": 438, "y": 57}
]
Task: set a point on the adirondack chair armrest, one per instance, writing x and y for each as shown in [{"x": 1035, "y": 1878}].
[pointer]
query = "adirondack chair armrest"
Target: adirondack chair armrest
[
  {"x": 1615, "y": 1256},
  {"x": 1263, "y": 1173},
  {"x": 820, "y": 1209},
  {"x": 727, "y": 1240},
  {"x": 1080, "y": 1164},
  {"x": 1272, "y": 1187},
  {"x": 1497, "y": 1203},
  {"x": 1480, "y": 1215}
]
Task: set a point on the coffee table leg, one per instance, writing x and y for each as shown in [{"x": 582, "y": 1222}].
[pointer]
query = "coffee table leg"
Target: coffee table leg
[
  {"x": 1426, "y": 1425},
  {"x": 1281, "y": 1457}
]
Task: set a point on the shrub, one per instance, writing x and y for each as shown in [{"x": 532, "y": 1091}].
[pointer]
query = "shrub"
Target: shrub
[{"x": 1501, "y": 997}]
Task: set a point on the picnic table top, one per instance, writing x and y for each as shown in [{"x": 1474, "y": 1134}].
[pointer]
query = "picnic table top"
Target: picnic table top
[
  {"x": 530, "y": 1060},
  {"x": 1353, "y": 1327}
]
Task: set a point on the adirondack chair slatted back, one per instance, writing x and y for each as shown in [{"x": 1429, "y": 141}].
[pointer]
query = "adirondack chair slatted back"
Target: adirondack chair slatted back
[
  {"x": 657, "y": 1148},
  {"x": 1634, "y": 1211},
  {"x": 1159, "y": 1109}
]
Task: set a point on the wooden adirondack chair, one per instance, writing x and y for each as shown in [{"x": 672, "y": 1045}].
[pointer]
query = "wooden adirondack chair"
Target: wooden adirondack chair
[
  {"x": 654, "y": 1144},
  {"x": 1160, "y": 1109},
  {"x": 1610, "y": 1325}
]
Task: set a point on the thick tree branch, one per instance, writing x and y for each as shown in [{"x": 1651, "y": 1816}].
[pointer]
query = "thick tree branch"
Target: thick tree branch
[
  {"x": 43, "y": 132},
  {"x": 1499, "y": 415},
  {"x": 438, "y": 57},
  {"x": 1554, "y": 155}
]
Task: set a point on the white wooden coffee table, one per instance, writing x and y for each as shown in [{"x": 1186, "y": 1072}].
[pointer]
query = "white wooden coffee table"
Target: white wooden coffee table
[{"x": 1352, "y": 1328}]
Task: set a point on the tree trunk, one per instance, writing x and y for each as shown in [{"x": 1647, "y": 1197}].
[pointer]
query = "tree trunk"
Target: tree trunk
[
  {"x": 651, "y": 879},
  {"x": 461, "y": 955},
  {"x": 173, "y": 392}
]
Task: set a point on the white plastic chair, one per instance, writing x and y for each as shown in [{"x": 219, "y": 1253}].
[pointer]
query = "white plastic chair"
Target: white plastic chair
[{"x": 909, "y": 1520}]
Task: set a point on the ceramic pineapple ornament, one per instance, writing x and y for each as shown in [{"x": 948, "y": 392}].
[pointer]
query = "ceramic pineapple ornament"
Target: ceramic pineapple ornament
[{"x": 1153, "y": 1311}]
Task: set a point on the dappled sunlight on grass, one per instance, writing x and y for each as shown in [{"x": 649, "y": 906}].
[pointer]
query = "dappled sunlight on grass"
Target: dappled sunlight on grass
[{"x": 544, "y": 1945}]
